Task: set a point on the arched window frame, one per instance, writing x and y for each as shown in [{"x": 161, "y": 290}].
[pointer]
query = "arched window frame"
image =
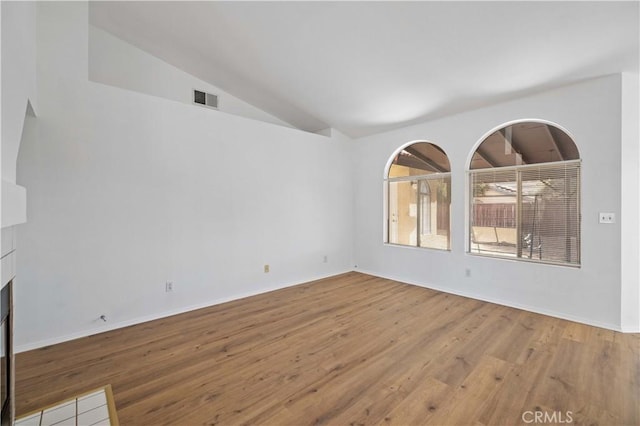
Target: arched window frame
[
  {"x": 526, "y": 243},
  {"x": 441, "y": 194}
]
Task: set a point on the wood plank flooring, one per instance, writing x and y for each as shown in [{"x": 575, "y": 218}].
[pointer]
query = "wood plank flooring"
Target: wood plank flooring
[{"x": 348, "y": 350}]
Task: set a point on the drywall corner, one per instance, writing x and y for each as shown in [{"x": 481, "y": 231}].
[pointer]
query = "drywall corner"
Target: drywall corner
[{"x": 630, "y": 208}]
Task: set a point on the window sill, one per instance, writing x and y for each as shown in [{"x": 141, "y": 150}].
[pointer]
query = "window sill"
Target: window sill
[
  {"x": 525, "y": 260},
  {"x": 417, "y": 248}
]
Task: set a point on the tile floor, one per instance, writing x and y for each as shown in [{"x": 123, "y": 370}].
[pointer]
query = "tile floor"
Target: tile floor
[{"x": 91, "y": 409}]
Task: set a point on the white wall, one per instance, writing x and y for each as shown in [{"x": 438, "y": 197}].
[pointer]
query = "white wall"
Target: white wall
[
  {"x": 630, "y": 179},
  {"x": 115, "y": 62},
  {"x": 18, "y": 77},
  {"x": 18, "y": 100},
  {"x": 127, "y": 191},
  {"x": 591, "y": 112}
]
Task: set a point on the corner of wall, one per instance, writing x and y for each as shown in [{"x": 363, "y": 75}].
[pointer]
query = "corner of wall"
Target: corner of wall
[{"x": 630, "y": 208}]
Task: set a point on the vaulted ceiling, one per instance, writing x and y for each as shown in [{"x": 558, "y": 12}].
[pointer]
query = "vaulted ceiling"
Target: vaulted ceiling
[{"x": 367, "y": 67}]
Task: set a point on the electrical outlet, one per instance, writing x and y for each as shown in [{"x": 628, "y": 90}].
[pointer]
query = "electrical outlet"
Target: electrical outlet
[
  {"x": 325, "y": 259},
  {"x": 168, "y": 286},
  {"x": 467, "y": 272},
  {"x": 607, "y": 218},
  {"x": 266, "y": 269}
]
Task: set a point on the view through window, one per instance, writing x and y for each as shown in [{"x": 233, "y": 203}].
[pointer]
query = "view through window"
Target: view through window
[{"x": 418, "y": 189}]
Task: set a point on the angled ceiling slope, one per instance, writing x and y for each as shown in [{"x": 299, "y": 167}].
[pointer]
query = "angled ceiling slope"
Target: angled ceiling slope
[{"x": 366, "y": 67}]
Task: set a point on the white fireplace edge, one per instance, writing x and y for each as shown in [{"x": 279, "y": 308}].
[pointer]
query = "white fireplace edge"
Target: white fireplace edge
[
  {"x": 14, "y": 204},
  {"x": 14, "y": 212}
]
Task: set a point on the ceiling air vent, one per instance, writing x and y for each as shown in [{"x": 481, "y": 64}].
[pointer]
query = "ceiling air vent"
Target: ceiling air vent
[{"x": 203, "y": 98}]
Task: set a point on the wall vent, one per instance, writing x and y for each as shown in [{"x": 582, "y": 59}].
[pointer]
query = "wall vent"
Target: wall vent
[{"x": 203, "y": 98}]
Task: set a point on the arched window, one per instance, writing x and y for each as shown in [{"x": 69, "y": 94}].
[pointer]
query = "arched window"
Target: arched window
[
  {"x": 525, "y": 195},
  {"x": 418, "y": 188}
]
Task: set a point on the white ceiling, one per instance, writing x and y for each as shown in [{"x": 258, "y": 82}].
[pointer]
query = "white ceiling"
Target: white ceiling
[{"x": 366, "y": 67}]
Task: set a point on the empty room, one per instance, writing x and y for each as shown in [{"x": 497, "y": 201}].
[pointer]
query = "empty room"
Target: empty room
[{"x": 337, "y": 213}]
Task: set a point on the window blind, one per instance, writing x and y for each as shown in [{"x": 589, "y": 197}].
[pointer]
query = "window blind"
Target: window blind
[{"x": 529, "y": 212}]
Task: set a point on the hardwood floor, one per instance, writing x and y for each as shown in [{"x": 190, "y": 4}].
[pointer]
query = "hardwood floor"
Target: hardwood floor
[{"x": 348, "y": 350}]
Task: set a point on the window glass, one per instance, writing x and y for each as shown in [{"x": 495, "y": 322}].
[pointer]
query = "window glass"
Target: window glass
[{"x": 418, "y": 189}]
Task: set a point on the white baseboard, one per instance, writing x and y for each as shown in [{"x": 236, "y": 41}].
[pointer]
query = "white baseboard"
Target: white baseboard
[
  {"x": 535, "y": 309},
  {"x": 625, "y": 329},
  {"x": 89, "y": 332}
]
